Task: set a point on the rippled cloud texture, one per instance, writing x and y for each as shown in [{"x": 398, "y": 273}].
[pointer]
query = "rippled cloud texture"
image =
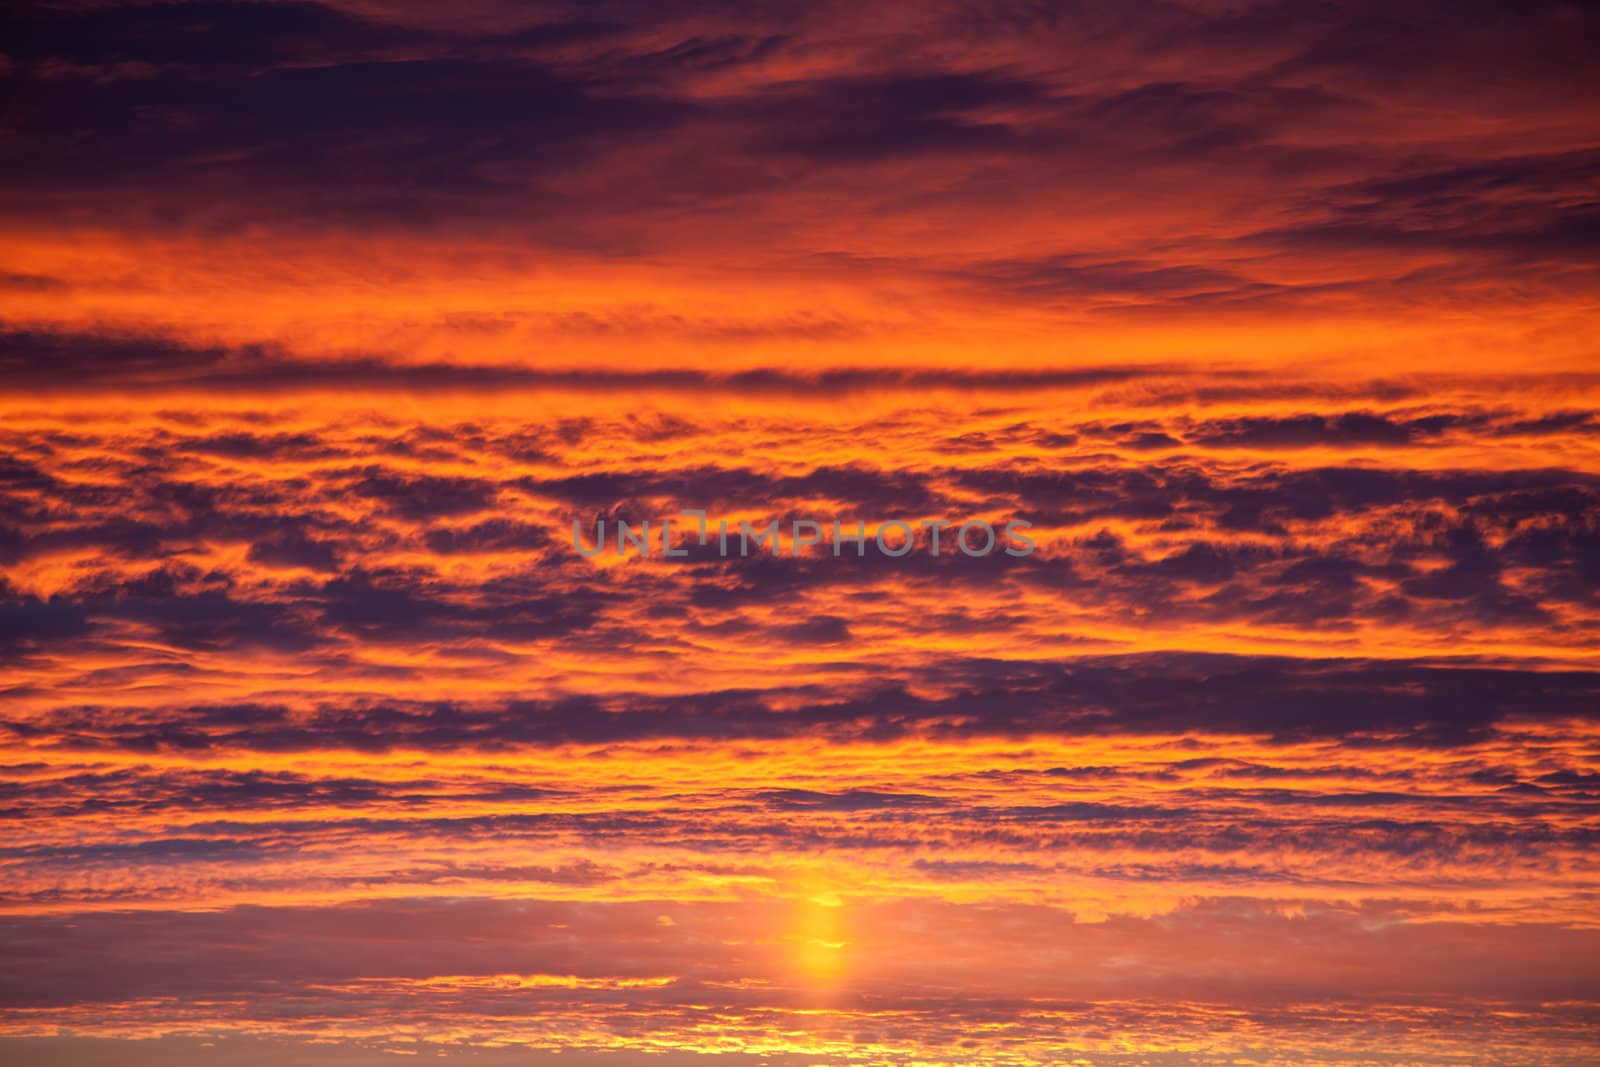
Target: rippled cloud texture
[{"x": 320, "y": 325}]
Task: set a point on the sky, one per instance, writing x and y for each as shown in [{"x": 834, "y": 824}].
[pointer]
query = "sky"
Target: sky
[{"x": 323, "y": 325}]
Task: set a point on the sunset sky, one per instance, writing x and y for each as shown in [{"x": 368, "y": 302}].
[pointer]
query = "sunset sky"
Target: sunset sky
[{"x": 322, "y": 323}]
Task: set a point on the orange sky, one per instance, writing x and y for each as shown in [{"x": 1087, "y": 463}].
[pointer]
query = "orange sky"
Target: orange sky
[{"x": 321, "y": 325}]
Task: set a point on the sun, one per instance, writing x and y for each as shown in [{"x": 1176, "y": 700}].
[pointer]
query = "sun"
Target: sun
[{"x": 818, "y": 938}]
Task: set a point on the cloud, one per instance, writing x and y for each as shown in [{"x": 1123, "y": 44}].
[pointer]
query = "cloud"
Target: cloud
[{"x": 324, "y": 325}]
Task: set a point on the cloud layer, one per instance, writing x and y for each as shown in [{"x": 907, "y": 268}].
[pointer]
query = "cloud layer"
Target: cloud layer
[{"x": 322, "y": 324}]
